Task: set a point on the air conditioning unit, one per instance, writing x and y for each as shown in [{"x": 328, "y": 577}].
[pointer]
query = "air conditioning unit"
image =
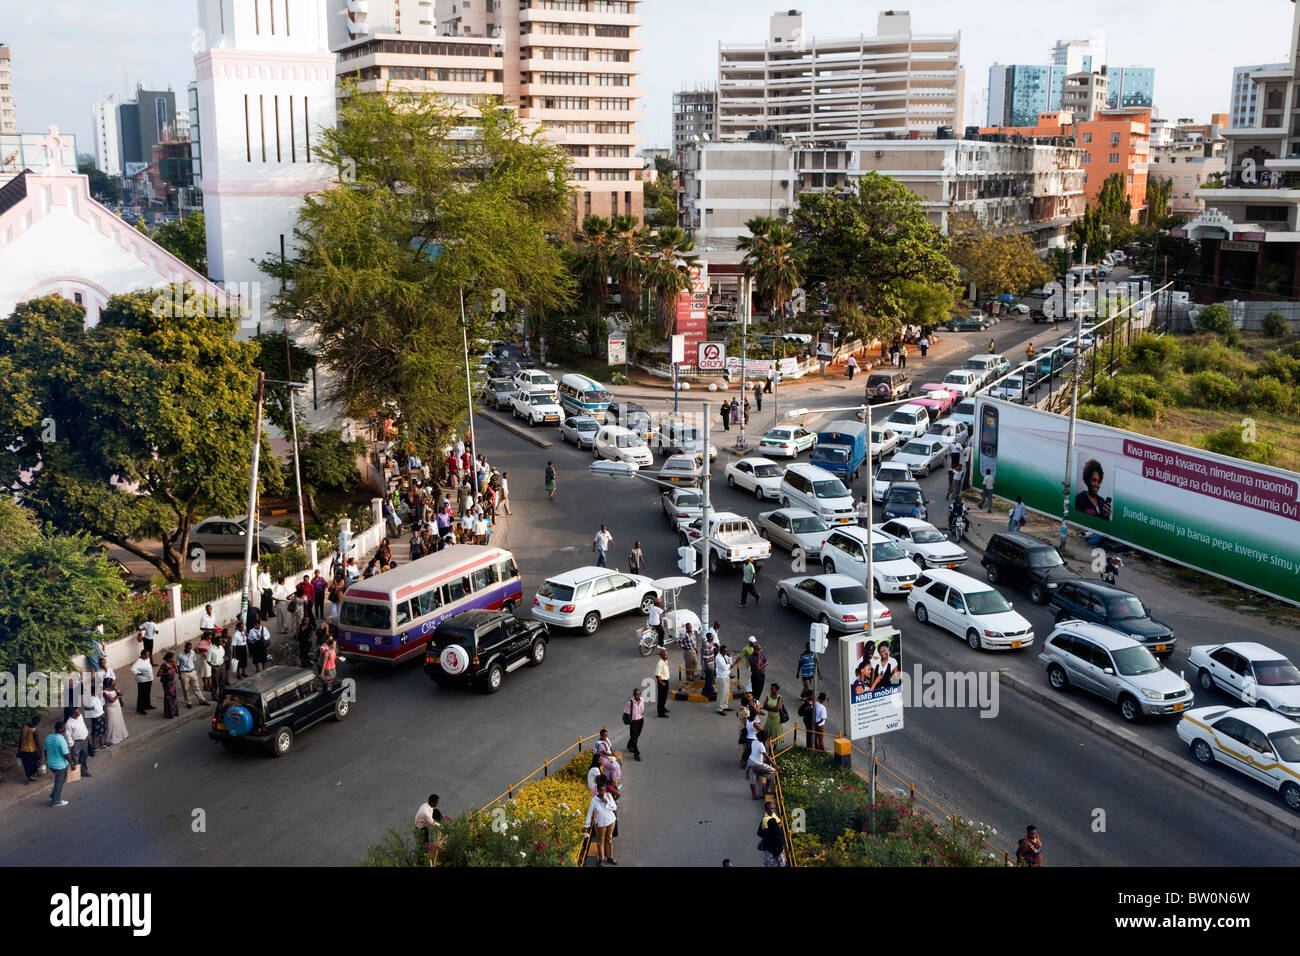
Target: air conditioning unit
[{"x": 880, "y": 154}]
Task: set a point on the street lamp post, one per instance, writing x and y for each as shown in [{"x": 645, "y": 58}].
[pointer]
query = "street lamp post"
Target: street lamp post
[
  {"x": 1074, "y": 411},
  {"x": 469, "y": 389},
  {"x": 745, "y": 305},
  {"x": 251, "y": 526}
]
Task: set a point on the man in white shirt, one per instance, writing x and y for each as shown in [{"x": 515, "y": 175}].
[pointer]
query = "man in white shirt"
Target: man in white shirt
[
  {"x": 600, "y": 544},
  {"x": 281, "y": 595},
  {"x": 238, "y": 654},
  {"x": 662, "y": 675},
  {"x": 217, "y": 661},
  {"x": 505, "y": 491},
  {"x": 267, "y": 606},
  {"x": 819, "y": 721},
  {"x": 722, "y": 664},
  {"x": 353, "y": 575},
  {"x": 148, "y": 631},
  {"x": 186, "y": 664},
  {"x": 654, "y": 620},
  {"x": 207, "y": 624},
  {"x": 426, "y": 818},
  {"x": 78, "y": 739},
  {"x": 143, "y": 671}
]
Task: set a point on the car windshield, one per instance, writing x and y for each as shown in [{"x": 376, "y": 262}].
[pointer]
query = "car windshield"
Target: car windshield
[
  {"x": 555, "y": 591},
  {"x": 807, "y": 525},
  {"x": 1132, "y": 661},
  {"x": 628, "y": 441},
  {"x": 892, "y": 474},
  {"x": 689, "y": 501},
  {"x": 829, "y": 488},
  {"x": 1280, "y": 673},
  {"x": 916, "y": 448},
  {"x": 956, "y": 378},
  {"x": 1044, "y": 558},
  {"x": 541, "y": 378},
  {"x": 877, "y": 437},
  {"x": 965, "y": 408},
  {"x": 598, "y": 396},
  {"x": 927, "y": 536},
  {"x": 1011, "y": 383},
  {"x": 374, "y": 616},
  {"x": 638, "y": 422},
  {"x": 501, "y": 384},
  {"x": 831, "y": 453},
  {"x": 987, "y": 602},
  {"x": 1287, "y": 744},
  {"x": 886, "y": 551},
  {"x": 902, "y": 418},
  {"x": 542, "y": 398},
  {"x": 689, "y": 434},
  {"x": 767, "y": 471},
  {"x": 585, "y": 426},
  {"x": 854, "y": 594},
  {"x": 778, "y": 434},
  {"x": 1127, "y": 608}
]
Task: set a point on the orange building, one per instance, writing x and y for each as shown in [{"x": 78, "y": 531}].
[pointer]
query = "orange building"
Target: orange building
[{"x": 1117, "y": 141}]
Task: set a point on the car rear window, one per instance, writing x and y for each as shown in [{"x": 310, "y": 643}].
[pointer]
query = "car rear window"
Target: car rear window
[
  {"x": 802, "y": 525},
  {"x": 453, "y": 635},
  {"x": 1044, "y": 558},
  {"x": 239, "y": 698},
  {"x": 560, "y": 592},
  {"x": 856, "y": 594}
]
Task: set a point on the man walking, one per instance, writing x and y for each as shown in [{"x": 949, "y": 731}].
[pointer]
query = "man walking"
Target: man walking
[
  {"x": 726, "y": 417},
  {"x": 143, "y": 671},
  {"x": 808, "y": 670},
  {"x": 747, "y": 574},
  {"x": 600, "y": 544},
  {"x": 722, "y": 667},
  {"x": 954, "y": 482},
  {"x": 550, "y": 480},
  {"x": 853, "y": 366},
  {"x": 505, "y": 492},
  {"x": 634, "y": 717},
  {"x": 986, "y": 494},
  {"x": 924, "y": 345},
  {"x": 185, "y": 663},
  {"x": 56, "y": 758},
  {"x": 902, "y": 355},
  {"x": 1016, "y": 520},
  {"x": 661, "y": 684},
  {"x": 758, "y": 395},
  {"x": 319, "y": 587}
]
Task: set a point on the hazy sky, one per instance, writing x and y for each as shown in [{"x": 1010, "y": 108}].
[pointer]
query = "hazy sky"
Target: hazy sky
[{"x": 67, "y": 54}]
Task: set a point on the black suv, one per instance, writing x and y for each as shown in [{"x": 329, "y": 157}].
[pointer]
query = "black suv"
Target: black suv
[
  {"x": 481, "y": 647},
  {"x": 1119, "y": 610},
  {"x": 888, "y": 385},
  {"x": 269, "y": 709},
  {"x": 1017, "y": 558}
]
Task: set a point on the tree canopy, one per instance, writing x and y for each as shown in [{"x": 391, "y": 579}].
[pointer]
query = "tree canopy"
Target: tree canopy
[
  {"x": 995, "y": 260},
  {"x": 773, "y": 260},
  {"x": 186, "y": 239}
]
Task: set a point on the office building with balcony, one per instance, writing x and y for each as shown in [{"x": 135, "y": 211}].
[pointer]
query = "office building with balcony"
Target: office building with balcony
[
  {"x": 813, "y": 90},
  {"x": 8, "y": 112},
  {"x": 694, "y": 117},
  {"x": 1083, "y": 94},
  {"x": 1245, "y": 96},
  {"x": 1190, "y": 164}
]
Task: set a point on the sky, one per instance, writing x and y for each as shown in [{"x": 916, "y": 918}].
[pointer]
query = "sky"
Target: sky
[{"x": 69, "y": 53}]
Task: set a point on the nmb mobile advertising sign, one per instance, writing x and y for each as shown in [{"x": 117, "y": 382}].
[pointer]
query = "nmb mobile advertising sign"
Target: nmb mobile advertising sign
[
  {"x": 873, "y": 693},
  {"x": 1230, "y": 518}
]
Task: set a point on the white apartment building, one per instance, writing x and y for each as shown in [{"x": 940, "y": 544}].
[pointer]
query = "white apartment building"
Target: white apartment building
[
  {"x": 814, "y": 90},
  {"x": 8, "y": 115},
  {"x": 725, "y": 184},
  {"x": 569, "y": 65},
  {"x": 1189, "y": 165},
  {"x": 108, "y": 151},
  {"x": 695, "y": 114},
  {"x": 1244, "y": 97}
]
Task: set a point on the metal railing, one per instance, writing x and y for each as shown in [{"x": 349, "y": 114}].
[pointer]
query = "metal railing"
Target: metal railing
[{"x": 197, "y": 593}]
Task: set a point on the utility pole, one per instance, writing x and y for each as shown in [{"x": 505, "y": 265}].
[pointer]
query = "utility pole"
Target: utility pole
[
  {"x": 469, "y": 390},
  {"x": 251, "y": 526},
  {"x": 746, "y": 306},
  {"x": 293, "y": 414},
  {"x": 705, "y": 477},
  {"x": 1074, "y": 412}
]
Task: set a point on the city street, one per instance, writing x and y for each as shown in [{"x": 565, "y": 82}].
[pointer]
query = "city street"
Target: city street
[{"x": 345, "y": 783}]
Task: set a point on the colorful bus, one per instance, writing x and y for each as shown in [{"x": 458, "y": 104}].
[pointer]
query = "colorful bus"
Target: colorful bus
[
  {"x": 580, "y": 395},
  {"x": 389, "y": 617}
]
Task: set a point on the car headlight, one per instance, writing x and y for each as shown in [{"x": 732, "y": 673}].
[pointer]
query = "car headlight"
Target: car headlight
[
  {"x": 1150, "y": 694},
  {"x": 1187, "y": 687}
]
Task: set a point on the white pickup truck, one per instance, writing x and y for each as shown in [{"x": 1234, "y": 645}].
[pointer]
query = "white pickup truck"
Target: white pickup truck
[{"x": 733, "y": 539}]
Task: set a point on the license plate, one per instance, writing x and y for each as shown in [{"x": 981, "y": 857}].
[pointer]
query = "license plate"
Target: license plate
[
  {"x": 1161, "y": 647},
  {"x": 363, "y": 648},
  {"x": 1179, "y": 706},
  {"x": 1015, "y": 644},
  {"x": 952, "y": 564},
  {"x": 221, "y": 725},
  {"x": 905, "y": 587}
]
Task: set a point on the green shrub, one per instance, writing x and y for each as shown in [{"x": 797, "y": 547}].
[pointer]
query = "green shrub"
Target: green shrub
[
  {"x": 1153, "y": 353},
  {"x": 1292, "y": 350},
  {"x": 1231, "y": 441},
  {"x": 284, "y": 563},
  {"x": 1216, "y": 318},
  {"x": 1282, "y": 367},
  {"x": 1140, "y": 395},
  {"x": 618, "y": 378},
  {"x": 1266, "y": 393},
  {"x": 1102, "y": 416},
  {"x": 1213, "y": 390},
  {"x": 1211, "y": 357},
  {"x": 1275, "y": 325}
]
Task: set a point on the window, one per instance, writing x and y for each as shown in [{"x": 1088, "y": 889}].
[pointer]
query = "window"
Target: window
[
  {"x": 618, "y": 129},
  {"x": 457, "y": 588},
  {"x": 1087, "y": 137},
  {"x": 1113, "y": 159},
  {"x": 428, "y": 602},
  {"x": 1114, "y": 139},
  {"x": 564, "y": 102},
  {"x": 611, "y": 31},
  {"x": 404, "y": 613},
  {"x": 610, "y": 6},
  {"x": 611, "y": 79},
  {"x": 563, "y": 79},
  {"x": 954, "y": 600},
  {"x": 611, "y": 56},
  {"x": 561, "y": 53},
  {"x": 608, "y": 174},
  {"x": 373, "y": 616},
  {"x": 609, "y": 103}
]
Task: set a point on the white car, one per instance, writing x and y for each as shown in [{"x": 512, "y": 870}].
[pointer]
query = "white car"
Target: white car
[
  {"x": 676, "y": 436},
  {"x": 621, "y": 444},
  {"x": 762, "y": 476},
  {"x": 535, "y": 380},
  {"x": 833, "y": 599},
  {"x": 682, "y": 506},
  {"x": 884, "y": 441},
  {"x": 971, "y": 609},
  {"x": 962, "y": 380},
  {"x": 964, "y": 413},
  {"x": 537, "y": 408},
  {"x": 886, "y": 475},
  {"x": 579, "y": 429},
  {"x": 787, "y": 440},
  {"x": 922, "y": 455},
  {"x": 923, "y": 542},
  {"x": 909, "y": 421},
  {"x": 681, "y": 470},
  {"x": 586, "y": 596},
  {"x": 794, "y": 528},
  {"x": 1263, "y": 746},
  {"x": 950, "y": 430},
  {"x": 1019, "y": 309},
  {"x": 1250, "y": 672},
  {"x": 845, "y": 552},
  {"x": 1011, "y": 388}
]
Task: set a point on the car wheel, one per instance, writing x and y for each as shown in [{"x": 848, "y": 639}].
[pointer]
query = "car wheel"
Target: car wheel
[
  {"x": 991, "y": 572},
  {"x": 563, "y": 437},
  {"x": 713, "y": 562},
  {"x": 1263, "y": 705},
  {"x": 823, "y": 619},
  {"x": 1038, "y": 594},
  {"x": 758, "y": 492},
  {"x": 1056, "y": 677},
  {"x": 785, "y": 502},
  {"x": 1129, "y": 708},
  {"x": 973, "y": 640},
  {"x": 1205, "y": 680},
  {"x": 828, "y": 566},
  {"x": 508, "y": 607},
  {"x": 922, "y": 614},
  {"x": 731, "y": 479},
  {"x": 590, "y": 623},
  {"x": 595, "y": 452},
  {"x": 647, "y": 602},
  {"x": 1203, "y": 752},
  {"x": 783, "y": 598},
  {"x": 495, "y": 675},
  {"x": 343, "y": 706},
  {"x": 1291, "y": 795},
  {"x": 283, "y": 742},
  {"x": 537, "y": 654},
  {"x": 762, "y": 533}
]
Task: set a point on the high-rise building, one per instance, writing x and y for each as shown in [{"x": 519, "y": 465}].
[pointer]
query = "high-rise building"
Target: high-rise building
[
  {"x": 1019, "y": 92},
  {"x": 265, "y": 89},
  {"x": 141, "y": 124},
  {"x": 695, "y": 115},
  {"x": 8, "y": 115},
  {"x": 108, "y": 156},
  {"x": 1080, "y": 56},
  {"x": 812, "y": 90},
  {"x": 1083, "y": 94},
  {"x": 1244, "y": 97},
  {"x": 568, "y": 65},
  {"x": 1131, "y": 86}
]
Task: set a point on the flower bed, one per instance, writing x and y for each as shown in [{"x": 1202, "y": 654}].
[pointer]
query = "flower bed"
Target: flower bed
[{"x": 835, "y": 804}]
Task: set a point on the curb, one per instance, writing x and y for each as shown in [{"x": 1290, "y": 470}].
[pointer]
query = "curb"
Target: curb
[
  {"x": 1251, "y": 806},
  {"x": 514, "y": 429}
]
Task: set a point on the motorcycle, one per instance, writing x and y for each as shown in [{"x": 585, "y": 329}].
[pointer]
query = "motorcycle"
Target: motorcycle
[{"x": 956, "y": 526}]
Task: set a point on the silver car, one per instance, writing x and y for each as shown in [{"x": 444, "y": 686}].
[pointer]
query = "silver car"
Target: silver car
[
  {"x": 833, "y": 599},
  {"x": 794, "y": 528},
  {"x": 498, "y": 392},
  {"x": 579, "y": 429},
  {"x": 1113, "y": 666},
  {"x": 227, "y": 536}
]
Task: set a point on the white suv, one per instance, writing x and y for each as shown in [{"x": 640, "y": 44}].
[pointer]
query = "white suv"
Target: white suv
[
  {"x": 807, "y": 486},
  {"x": 621, "y": 444},
  {"x": 970, "y": 609},
  {"x": 536, "y": 408},
  {"x": 534, "y": 380},
  {"x": 586, "y": 596},
  {"x": 909, "y": 421},
  {"x": 844, "y": 552}
]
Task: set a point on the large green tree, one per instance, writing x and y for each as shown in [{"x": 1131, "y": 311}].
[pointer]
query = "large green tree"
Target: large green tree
[
  {"x": 862, "y": 246},
  {"x": 132, "y": 429},
  {"x": 186, "y": 239},
  {"x": 995, "y": 260},
  {"x": 432, "y": 203},
  {"x": 1158, "y": 194},
  {"x": 103, "y": 187},
  {"x": 661, "y": 194}
]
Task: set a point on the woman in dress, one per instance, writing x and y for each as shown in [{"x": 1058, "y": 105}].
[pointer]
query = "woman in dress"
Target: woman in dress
[
  {"x": 167, "y": 674},
  {"x": 772, "y": 708},
  {"x": 29, "y": 748},
  {"x": 113, "y": 711},
  {"x": 385, "y": 554},
  {"x": 608, "y": 759},
  {"x": 772, "y": 836}
]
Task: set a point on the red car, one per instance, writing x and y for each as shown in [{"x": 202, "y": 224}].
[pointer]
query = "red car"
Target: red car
[{"x": 935, "y": 395}]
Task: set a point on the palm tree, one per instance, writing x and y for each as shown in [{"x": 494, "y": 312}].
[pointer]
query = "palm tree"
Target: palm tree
[
  {"x": 592, "y": 258},
  {"x": 668, "y": 272},
  {"x": 773, "y": 262},
  {"x": 627, "y": 264}
]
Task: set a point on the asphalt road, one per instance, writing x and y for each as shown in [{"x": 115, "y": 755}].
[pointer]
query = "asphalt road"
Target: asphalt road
[{"x": 344, "y": 783}]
